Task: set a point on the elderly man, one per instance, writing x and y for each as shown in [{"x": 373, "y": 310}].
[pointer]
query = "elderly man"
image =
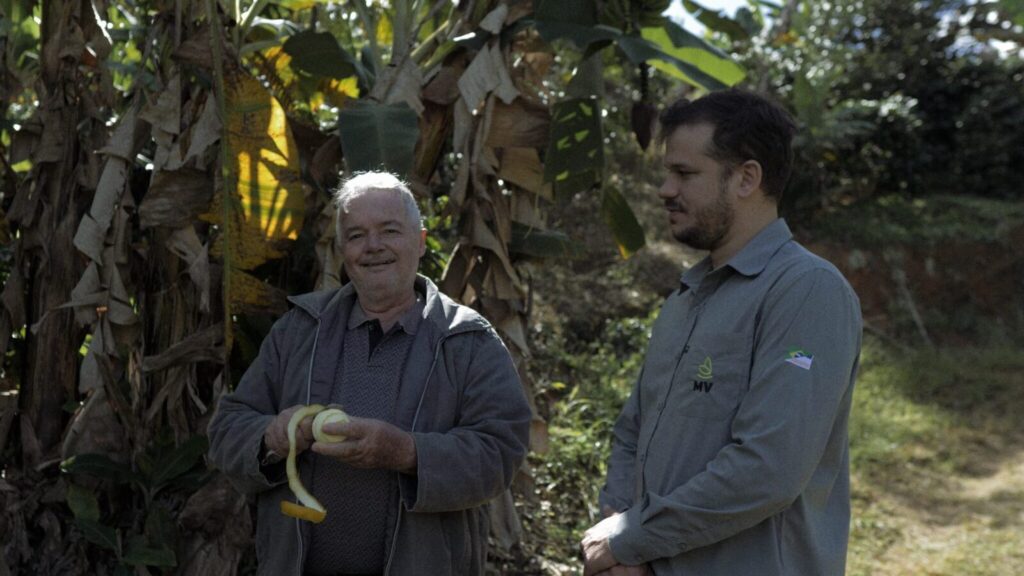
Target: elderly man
[
  {"x": 730, "y": 458},
  {"x": 439, "y": 420}
]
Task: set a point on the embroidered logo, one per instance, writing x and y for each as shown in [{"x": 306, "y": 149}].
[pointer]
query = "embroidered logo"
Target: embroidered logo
[
  {"x": 703, "y": 382},
  {"x": 704, "y": 370},
  {"x": 799, "y": 358}
]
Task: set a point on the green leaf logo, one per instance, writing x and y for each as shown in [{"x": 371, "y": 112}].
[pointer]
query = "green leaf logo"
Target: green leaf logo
[{"x": 704, "y": 371}]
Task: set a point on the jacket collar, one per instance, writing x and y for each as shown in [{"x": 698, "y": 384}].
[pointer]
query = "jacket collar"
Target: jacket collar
[
  {"x": 752, "y": 259},
  {"x": 447, "y": 316}
]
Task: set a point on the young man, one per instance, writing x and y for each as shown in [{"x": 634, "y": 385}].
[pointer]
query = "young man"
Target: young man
[
  {"x": 730, "y": 457},
  {"x": 439, "y": 419}
]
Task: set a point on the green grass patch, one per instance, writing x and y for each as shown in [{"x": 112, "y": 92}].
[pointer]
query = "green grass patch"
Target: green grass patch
[
  {"x": 585, "y": 391},
  {"x": 923, "y": 423}
]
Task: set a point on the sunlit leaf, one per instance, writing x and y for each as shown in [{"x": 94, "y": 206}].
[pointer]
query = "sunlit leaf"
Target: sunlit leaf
[
  {"x": 385, "y": 30},
  {"x": 339, "y": 91},
  {"x": 679, "y": 37},
  {"x": 262, "y": 196},
  {"x": 267, "y": 206},
  {"x": 575, "y": 157},
  {"x": 690, "y": 59}
]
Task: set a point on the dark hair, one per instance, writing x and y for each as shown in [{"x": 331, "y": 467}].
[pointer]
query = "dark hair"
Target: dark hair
[{"x": 748, "y": 126}]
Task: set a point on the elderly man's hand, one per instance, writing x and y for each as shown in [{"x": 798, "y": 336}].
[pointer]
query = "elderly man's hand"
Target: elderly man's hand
[
  {"x": 597, "y": 552},
  {"x": 275, "y": 437},
  {"x": 370, "y": 443}
]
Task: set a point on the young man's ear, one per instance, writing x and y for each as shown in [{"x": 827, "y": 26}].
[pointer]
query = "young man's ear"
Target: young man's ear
[{"x": 750, "y": 175}]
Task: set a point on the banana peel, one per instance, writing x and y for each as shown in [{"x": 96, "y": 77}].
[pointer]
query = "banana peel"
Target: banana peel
[{"x": 309, "y": 508}]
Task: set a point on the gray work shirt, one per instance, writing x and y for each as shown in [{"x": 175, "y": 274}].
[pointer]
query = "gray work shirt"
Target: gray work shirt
[{"x": 731, "y": 457}]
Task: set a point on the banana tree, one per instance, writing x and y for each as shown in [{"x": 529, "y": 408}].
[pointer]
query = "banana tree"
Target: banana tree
[{"x": 173, "y": 184}]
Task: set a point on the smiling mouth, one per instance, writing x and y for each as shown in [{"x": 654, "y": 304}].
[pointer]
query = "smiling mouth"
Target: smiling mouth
[{"x": 374, "y": 265}]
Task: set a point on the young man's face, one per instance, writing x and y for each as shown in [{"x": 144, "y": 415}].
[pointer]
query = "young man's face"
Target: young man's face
[
  {"x": 696, "y": 191},
  {"x": 381, "y": 245}
]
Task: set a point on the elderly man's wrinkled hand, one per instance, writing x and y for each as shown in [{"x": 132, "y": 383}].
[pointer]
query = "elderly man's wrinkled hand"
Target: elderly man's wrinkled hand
[
  {"x": 370, "y": 443},
  {"x": 275, "y": 437},
  {"x": 597, "y": 552}
]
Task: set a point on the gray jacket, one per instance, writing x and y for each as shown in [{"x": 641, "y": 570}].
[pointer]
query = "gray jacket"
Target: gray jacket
[{"x": 460, "y": 397}]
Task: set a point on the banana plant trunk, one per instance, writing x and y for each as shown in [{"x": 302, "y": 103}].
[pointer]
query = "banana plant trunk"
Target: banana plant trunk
[{"x": 48, "y": 210}]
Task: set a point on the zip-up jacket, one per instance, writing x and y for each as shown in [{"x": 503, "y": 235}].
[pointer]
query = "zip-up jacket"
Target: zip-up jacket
[{"x": 460, "y": 398}]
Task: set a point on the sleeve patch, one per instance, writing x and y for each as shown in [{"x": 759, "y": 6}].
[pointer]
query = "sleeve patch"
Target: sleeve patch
[{"x": 799, "y": 358}]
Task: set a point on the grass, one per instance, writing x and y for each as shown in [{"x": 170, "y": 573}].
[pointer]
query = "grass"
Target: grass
[{"x": 937, "y": 457}]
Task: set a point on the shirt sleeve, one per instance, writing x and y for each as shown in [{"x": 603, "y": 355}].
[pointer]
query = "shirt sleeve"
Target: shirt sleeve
[{"x": 803, "y": 363}]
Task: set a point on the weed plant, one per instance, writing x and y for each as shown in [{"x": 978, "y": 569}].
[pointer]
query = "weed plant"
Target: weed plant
[{"x": 583, "y": 387}]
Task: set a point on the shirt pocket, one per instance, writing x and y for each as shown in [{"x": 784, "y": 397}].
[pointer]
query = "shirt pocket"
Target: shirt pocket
[{"x": 712, "y": 375}]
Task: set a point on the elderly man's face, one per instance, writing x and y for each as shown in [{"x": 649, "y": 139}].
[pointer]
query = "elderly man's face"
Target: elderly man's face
[{"x": 382, "y": 247}]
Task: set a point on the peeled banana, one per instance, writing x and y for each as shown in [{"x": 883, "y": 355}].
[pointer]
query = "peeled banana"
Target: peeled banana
[{"x": 310, "y": 508}]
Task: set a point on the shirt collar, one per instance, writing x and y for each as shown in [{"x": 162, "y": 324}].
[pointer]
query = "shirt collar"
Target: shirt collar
[
  {"x": 751, "y": 260},
  {"x": 408, "y": 321},
  {"x": 691, "y": 278}
]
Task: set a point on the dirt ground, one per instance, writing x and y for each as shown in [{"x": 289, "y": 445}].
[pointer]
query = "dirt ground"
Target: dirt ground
[{"x": 968, "y": 522}]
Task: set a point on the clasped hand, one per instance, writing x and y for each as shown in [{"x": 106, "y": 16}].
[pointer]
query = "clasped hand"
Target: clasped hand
[
  {"x": 368, "y": 443},
  {"x": 597, "y": 552}
]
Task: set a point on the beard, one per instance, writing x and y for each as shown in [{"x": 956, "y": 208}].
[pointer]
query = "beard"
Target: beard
[{"x": 712, "y": 223}]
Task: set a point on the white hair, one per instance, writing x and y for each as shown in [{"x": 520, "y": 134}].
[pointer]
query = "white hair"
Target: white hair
[{"x": 363, "y": 183}]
